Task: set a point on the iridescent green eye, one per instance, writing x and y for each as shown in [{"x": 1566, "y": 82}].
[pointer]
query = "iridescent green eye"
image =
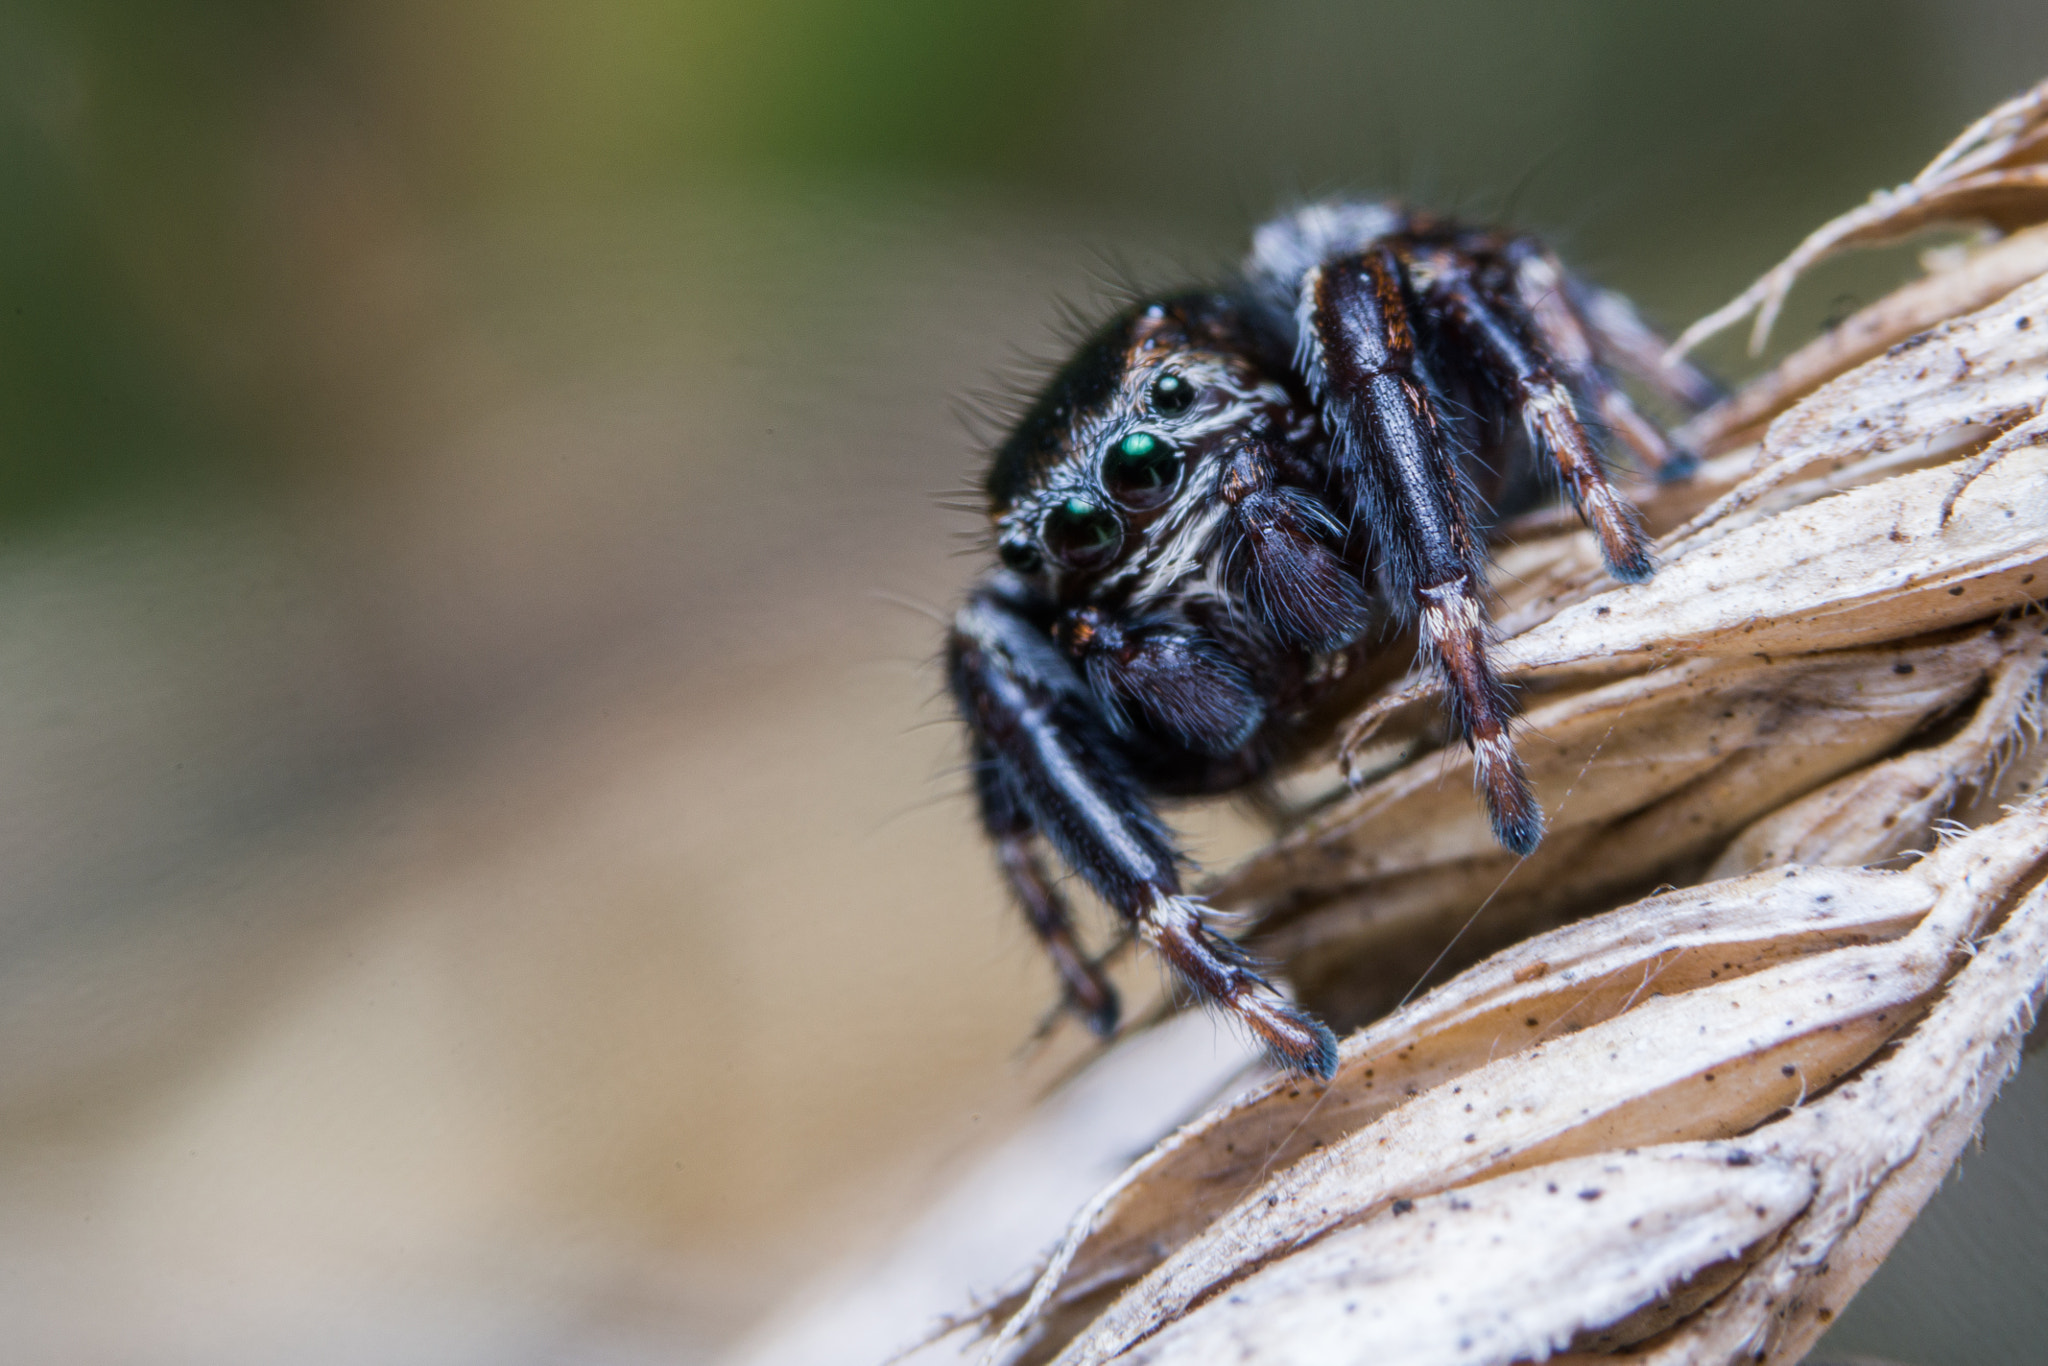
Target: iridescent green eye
[
  {"x": 1141, "y": 471},
  {"x": 1172, "y": 395},
  {"x": 1082, "y": 536}
]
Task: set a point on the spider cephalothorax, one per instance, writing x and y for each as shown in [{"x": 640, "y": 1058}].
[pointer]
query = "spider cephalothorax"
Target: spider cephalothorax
[{"x": 1214, "y": 503}]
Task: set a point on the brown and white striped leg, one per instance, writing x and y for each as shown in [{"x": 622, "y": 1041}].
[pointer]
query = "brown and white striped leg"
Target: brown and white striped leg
[
  {"x": 1217, "y": 971},
  {"x": 1359, "y": 353},
  {"x": 1087, "y": 992},
  {"x": 1546, "y": 405},
  {"x": 1545, "y": 293},
  {"x": 1632, "y": 346},
  {"x": 1454, "y": 639}
]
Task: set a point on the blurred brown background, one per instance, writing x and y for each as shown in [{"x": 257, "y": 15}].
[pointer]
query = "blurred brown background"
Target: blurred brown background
[{"x": 485, "y": 872}]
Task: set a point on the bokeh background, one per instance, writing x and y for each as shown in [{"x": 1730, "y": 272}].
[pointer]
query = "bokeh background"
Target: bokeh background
[{"x": 485, "y": 877}]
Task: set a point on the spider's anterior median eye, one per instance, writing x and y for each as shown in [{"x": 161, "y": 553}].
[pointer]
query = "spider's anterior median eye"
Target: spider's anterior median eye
[
  {"x": 1081, "y": 535},
  {"x": 1172, "y": 395},
  {"x": 1140, "y": 471}
]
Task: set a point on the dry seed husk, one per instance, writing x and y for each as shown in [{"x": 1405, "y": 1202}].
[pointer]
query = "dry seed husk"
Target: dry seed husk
[
  {"x": 1926, "y": 303},
  {"x": 1878, "y": 812},
  {"x": 1707, "y": 1063},
  {"x": 1647, "y": 778},
  {"x": 1879, "y": 1147},
  {"x": 1449, "y": 1277},
  {"x": 1572, "y": 978},
  {"x": 1839, "y": 1178},
  {"x": 1991, "y": 173},
  {"x": 1617, "y": 749},
  {"x": 1576, "y": 977}
]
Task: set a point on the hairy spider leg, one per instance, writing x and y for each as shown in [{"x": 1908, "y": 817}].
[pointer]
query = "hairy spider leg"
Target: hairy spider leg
[
  {"x": 1544, "y": 290},
  {"x": 1087, "y": 992},
  {"x": 1359, "y": 355},
  {"x": 1629, "y": 344},
  {"x": 1489, "y": 326},
  {"x": 1293, "y": 582},
  {"x": 1059, "y": 770}
]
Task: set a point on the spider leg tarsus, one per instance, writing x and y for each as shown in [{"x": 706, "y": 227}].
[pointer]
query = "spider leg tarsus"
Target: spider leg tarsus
[
  {"x": 1511, "y": 807},
  {"x": 1638, "y": 567},
  {"x": 1453, "y": 633},
  {"x": 1219, "y": 972},
  {"x": 1683, "y": 464},
  {"x": 1101, "y": 1017}
]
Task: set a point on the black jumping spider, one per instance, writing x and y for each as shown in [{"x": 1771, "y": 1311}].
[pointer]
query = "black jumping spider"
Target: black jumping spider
[{"x": 1213, "y": 506}]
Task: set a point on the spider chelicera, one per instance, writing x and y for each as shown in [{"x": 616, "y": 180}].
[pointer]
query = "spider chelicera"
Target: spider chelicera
[{"x": 1215, "y": 507}]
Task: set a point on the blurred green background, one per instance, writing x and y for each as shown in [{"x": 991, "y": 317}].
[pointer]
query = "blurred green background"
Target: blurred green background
[
  {"x": 177, "y": 178},
  {"x": 481, "y": 883}
]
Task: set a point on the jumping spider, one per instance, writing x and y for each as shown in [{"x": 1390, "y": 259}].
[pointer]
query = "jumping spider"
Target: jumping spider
[{"x": 1222, "y": 497}]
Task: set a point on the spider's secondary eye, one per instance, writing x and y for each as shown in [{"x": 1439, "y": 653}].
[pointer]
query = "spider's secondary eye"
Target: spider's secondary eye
[
  {"x": 1172, "y": 395},
  {"x": 1140, "y": 471},
  {"x": 1081, "y": 535},
  {"x": 1022, "y": 558}
]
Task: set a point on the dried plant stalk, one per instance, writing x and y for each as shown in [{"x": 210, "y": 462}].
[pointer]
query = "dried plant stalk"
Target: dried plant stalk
[
  {"x": 1679, "y": 1125},
  {"x": 1662, "y": 1059},
  {"x": 1996, "y": 172}
]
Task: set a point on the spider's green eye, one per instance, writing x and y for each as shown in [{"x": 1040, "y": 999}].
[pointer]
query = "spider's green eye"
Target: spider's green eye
[
  {"x": 1081, "y": 535},
  {"x": 1140, "y": 471},
  {"x": 1172, "y": 395}
]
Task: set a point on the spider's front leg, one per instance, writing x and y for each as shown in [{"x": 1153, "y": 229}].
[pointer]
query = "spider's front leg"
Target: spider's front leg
[
  {"x": 1359, "y": 353},
  {"x": 1087, "y": 992},
  {"x": 1048, "y": 763}
]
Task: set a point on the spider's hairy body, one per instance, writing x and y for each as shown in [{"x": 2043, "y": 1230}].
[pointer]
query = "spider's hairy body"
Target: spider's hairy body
[{"x": 1217, "y": 506}]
